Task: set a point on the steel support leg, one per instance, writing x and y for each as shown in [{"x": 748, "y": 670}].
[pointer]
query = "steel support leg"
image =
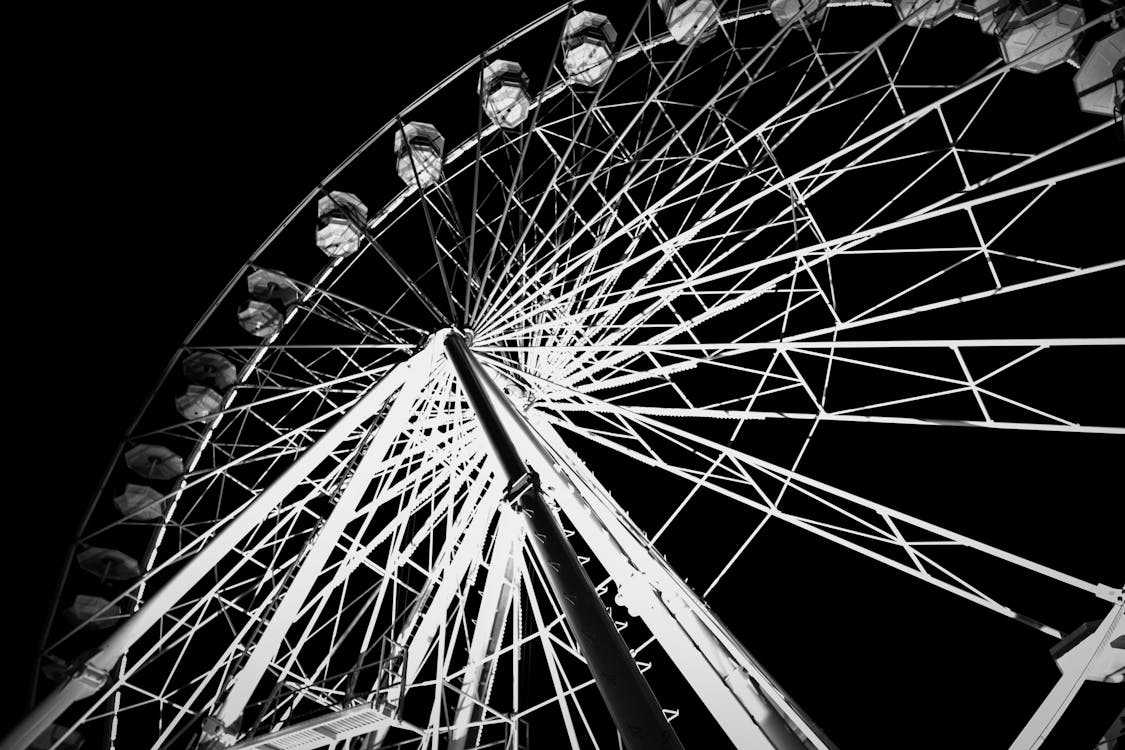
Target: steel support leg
[
  {"x": 749, "y": 705},
  {"x": 631, "y": 702},
  {"x": 95, "y": 672},
  {"x": 1091, "y": 653},
  {"x": 752, "y": 709},
  {"x": 224, "y": 723}
]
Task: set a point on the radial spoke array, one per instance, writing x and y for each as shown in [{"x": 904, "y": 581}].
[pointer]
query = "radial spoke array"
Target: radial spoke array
[{"x": 725, "y": 265}]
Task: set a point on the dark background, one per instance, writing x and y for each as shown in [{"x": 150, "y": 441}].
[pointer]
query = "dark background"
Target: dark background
[
  {"x": 156, "y": 151},
  {"x": 163, "y": 149}
]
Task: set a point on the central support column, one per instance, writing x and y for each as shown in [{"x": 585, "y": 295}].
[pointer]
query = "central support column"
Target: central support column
[{"x": 631, "y": 702}]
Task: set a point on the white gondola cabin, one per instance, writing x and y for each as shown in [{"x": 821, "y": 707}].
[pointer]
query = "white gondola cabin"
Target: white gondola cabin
[
  {"x": 503, "y": 90},
  {"x": 419, "y": 149},
  {"x": 588, "y": 42}
]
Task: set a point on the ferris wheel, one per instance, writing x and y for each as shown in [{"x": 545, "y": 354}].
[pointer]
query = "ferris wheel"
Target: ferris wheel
[{"x": 621, "y": 304}]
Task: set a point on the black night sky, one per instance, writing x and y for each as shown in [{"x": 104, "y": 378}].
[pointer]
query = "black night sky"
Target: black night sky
[{"x": 164, "y": 146}]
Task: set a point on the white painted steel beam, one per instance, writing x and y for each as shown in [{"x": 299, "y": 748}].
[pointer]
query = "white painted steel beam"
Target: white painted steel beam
[
  {"x": 1102, "y": 591},
  {"x": 284, "y": 615},
  {"x": 323, "y": 731},
  {"x": 1098, "y": 656},
  {"x": 496, "y": 600},
  {"x": 420, "y": 632},
  {"x": 458, "y": 553},
  {"x": 753, "y": 711},
  {"x": 94, "y": 672}
]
